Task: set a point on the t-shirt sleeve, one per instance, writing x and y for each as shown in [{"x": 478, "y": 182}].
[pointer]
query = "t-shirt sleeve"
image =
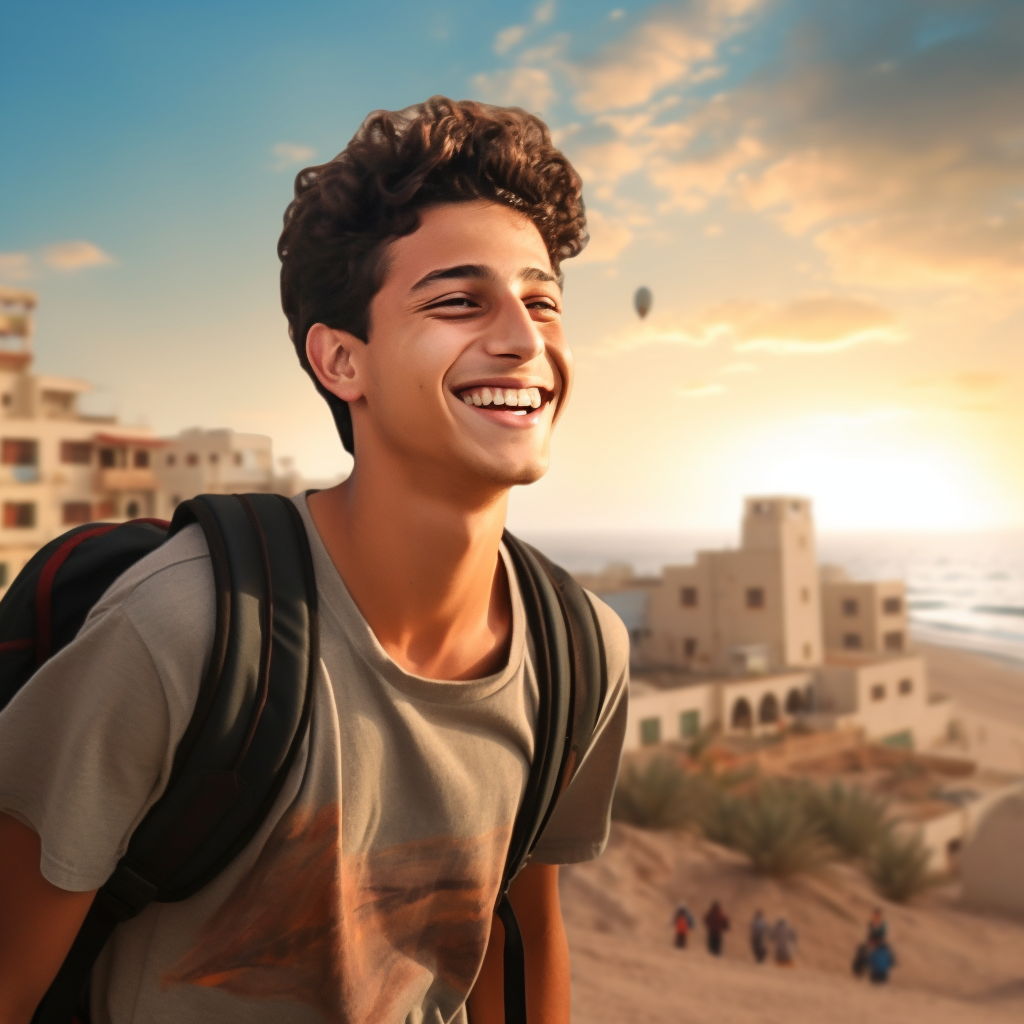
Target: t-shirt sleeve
[
  {"x": 578, "y": 827},
  {"x": 86, "y": 745}
]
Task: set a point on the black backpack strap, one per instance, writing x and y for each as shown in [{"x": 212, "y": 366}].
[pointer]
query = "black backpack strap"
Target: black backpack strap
[
  {"x": 248, "y": 724},
  {"x": 572, "y": 678}
]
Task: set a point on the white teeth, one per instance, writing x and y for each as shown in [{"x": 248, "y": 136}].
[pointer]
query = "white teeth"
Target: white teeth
[
  {"x": 499, "y": 397},
  {"x": 468, "y": 399},
  {"x": 535, "y": 397},
  {"x": 511, "y": 397},
  {"x": 524, "y": 397},
  {"x": 521, "y": 398},
  {"x": 476, "y": 399},
  {"x": 486, "y": 397}
]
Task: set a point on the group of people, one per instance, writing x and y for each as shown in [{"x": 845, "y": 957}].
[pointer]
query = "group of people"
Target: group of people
[
  {"x": 874, "y": 956},
  {"x": 780, "y": 938}
]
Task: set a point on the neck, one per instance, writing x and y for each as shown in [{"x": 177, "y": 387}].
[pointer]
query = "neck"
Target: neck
[{"x": 423, "y": 568}]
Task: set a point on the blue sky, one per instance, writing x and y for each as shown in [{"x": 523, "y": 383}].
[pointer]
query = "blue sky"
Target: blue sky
[{"x": 825, "y": 199}]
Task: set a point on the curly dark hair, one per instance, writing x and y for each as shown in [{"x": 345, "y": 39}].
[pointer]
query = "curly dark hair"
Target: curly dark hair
[{"x": 346, "y": 211}]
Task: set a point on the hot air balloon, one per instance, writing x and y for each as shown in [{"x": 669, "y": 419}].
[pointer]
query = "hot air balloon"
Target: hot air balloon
[{"x": 642, "y": 301}]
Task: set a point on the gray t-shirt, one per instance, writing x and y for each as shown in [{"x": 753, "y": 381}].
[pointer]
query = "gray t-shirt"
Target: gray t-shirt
[{"x": 366, "y": 896}]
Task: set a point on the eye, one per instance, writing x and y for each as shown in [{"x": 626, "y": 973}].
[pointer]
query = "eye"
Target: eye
[
  {"x": 545, "y": 304},
  {"x": 453, "y": 302}
]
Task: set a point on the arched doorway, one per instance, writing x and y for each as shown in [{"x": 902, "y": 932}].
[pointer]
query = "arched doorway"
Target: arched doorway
[
  {"x": 794, "y": 702},
  {"x": 742, "y": 715},
  {"x": 769, "y": 709}
]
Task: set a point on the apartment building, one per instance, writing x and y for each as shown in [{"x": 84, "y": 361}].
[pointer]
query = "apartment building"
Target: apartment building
[
  {"x": 60, "y": 467},
  {"x": 863, "y": 616}
]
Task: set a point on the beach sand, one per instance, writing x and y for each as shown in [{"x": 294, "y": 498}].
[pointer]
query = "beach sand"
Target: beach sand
[
  {"x": 989, "y": 694},
  {"x": 953, "y": 965}
]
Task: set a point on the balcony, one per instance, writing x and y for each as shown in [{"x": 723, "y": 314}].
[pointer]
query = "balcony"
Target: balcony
[{"x": 126, "y": 480}]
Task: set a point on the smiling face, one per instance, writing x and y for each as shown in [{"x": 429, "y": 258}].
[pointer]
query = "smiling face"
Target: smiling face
[{"x": 467, "y": 367}]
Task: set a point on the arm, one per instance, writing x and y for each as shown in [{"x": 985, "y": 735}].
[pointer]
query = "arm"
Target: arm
[
  {"x": 38, "y": 923},
  {"x": 534, "y": 897}
]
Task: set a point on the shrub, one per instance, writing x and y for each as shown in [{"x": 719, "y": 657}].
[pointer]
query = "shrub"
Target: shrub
[
  {"x": 773, "y": 829},
  {"x": 661, "y": 795},
  {"x": 898, "y": 867},
  {"x": 852, "y": 820}
]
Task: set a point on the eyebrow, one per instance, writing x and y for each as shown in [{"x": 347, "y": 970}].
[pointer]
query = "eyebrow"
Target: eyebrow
[{"x": 480, "y": 272}]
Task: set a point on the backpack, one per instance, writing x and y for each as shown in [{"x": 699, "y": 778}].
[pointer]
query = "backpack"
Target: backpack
[{"x": 252, "y": 710}]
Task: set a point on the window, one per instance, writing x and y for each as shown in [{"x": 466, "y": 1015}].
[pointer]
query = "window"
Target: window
[
  {"x": 850, "y": 606},
  {"x": 893, "y": 641},
  {"x": 755, "y": 597},
  {"x": 650, "y": 731},
  {"x": 140, "y": 458},
  {"x": 805, "y": 595},
  {"x": 238, "y": 458},
  {"x": 74, "y": 512},
  {"x": 689, "y": 647},
  {"x": 808, "y": 652},
  {"x": 19, "y": 515},
  {"x": 689, "y": 724},
  {"x": 795, "y": 506},
  {"x": 851, "y": 641},
  {"x": 16, "y": 452},
  {"x": 106, "y": 510},
  {"x": 214, "y": 457},
  {"x": 878, "y": 691},
  {"x": 108, "y": 458},
  {"x": 688, "y": 597},
  {"x": 132, "y": 509},
  {"x": 906, "y": 686},
  {"x": 76, "y": 453},
  {"x": 742, "y": 716},
  {"x": 3, "y": 567},
  {"x": 192, "y": 459},
  {"x": 768, "y": 711},
  {"x": 7, "y": 401},
  {"x": 892, "y": 606}
]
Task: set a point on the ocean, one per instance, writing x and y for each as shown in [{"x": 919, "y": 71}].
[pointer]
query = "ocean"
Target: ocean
[{"x": 963, "y": 589}]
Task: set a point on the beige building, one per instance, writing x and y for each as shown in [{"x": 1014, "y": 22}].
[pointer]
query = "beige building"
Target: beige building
[
  {"x": 863, "y": 616},
  {"x": 60, "y": 467},
  {"x": 755, "y": 609},
  {"x": 750, "y": 639}
]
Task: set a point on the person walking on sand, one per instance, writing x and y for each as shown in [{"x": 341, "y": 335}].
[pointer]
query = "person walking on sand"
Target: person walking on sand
[
  {"x": 683, "y": 921},
  {"x": 717, "y": 925},
  {"x": 881, "y": 960},
  {"x": 759, "y": 936},
  {"x": 877, "y": 927},
  {"x": 784, "y": 938}
]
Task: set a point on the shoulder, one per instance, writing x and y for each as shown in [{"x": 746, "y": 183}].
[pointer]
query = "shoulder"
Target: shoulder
[{"x": 168, "y": 596}]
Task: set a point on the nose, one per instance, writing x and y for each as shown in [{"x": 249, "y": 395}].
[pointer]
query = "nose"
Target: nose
[{"x": 514, "y": 334}]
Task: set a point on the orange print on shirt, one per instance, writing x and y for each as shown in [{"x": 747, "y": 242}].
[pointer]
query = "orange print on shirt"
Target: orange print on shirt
[{"x": 361, "y": 938}]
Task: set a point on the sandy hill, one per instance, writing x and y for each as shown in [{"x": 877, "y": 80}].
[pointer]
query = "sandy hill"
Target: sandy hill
[{"x": 954, "y": 966}]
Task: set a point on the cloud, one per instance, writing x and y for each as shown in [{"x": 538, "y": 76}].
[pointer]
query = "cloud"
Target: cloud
[
  {"x": 608, "y": 238},
  {"x": 813, "y": 324},
  {"x": 508, "y": 38},
  {"x": 970, "y": 382},
  {"x": 659, "y": 52},
  {"x": 699, "y": 390},
  {"x": 544, "y": 12},
  {"x": 72, "y": 256},
  {"x": 289, "y": 154},
  {"x": 527, "y": 87},
  {"x": 15, "y": 266},
  {"x": 738, "y": 368}
]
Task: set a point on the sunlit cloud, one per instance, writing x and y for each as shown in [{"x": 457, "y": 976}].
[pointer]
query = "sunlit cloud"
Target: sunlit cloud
[
  {"x": 527, "y": 87},
  {"x": 15, "y": 266},
  {"x": 544, "y": 12},
  {"x": 608, "y": 238},
  {"x": 290, "y": 154},
  {"x": 739, "y": 368},
  {"x": 72, "y": 256}
]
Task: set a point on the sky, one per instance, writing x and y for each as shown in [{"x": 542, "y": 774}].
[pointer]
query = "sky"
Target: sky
[{"x": 825, "y": 199}]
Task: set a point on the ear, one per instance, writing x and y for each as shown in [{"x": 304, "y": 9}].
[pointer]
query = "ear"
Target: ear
[{"x": 335, "y": 358}]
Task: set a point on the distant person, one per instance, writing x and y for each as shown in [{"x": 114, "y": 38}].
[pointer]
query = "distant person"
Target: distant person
[
  {"x": 717, "y": 924},
  {"x": 759, "y": 929},
  {"x": 784, "y": 938},
  {"x": 860, "y": 959},
  {"x": 881, "y": 960},
  {"x": 877, "y": 927},
  {"x": 683, "y": 921}
]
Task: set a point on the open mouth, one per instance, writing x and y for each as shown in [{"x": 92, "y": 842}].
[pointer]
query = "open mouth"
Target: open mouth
[{"x": 518, "y": 401}]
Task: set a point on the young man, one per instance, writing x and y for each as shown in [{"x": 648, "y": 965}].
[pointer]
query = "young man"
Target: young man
[{"x": 421, "y": 281}]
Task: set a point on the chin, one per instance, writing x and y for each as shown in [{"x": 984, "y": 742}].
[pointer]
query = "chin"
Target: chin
[{"x": 515, "y": 470}]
